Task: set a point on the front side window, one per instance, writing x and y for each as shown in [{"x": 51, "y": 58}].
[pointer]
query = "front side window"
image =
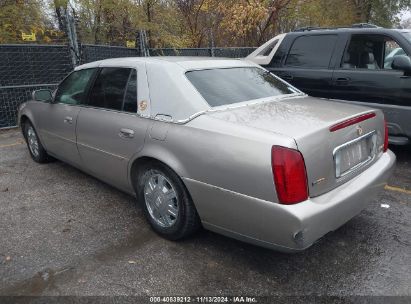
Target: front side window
[
  {"x": 232, "y": 85},
  {"x": 312, "y": 51},
  {"x": 391, "y": 50},
  {"x": 371, "y": 52},
  {"x": 109, "y": 89},
  {"x": 73, "y": 88}
]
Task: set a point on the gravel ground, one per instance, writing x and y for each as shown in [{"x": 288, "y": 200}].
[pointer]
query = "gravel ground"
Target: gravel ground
[{"x": 63, "y": 232}]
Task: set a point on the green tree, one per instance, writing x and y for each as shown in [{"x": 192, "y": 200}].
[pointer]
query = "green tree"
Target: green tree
[
  {"x": 187, "y": 23},
  {"x": 107, "y": 21},
  {"x": 380, "y": 12},
  {"x": 19, "y": 16},
  {"x": 321, "y": 13}
]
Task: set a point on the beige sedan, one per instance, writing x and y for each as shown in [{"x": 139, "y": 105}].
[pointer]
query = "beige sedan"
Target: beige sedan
[{"x": 222, "y": 144}]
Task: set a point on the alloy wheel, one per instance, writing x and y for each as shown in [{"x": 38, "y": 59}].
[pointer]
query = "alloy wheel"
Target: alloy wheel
[
  {"x": 161, "y": 199},
  {"x": 33, "y": 141}
]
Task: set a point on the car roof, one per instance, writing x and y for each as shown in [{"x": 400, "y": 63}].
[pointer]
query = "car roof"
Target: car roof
[
  {"x": 378, "y": 30},
  {"x": 163, "y": 78},
  {"x": 184, "y": 62}
]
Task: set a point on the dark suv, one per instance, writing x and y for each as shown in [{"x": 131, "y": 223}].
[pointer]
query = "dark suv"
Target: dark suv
[{"x": 361, "y": 64}]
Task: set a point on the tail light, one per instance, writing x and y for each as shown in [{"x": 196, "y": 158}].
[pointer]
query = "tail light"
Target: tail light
[
  {"x": 290, "y": 176},
  {"x": 385, "y": 136}
]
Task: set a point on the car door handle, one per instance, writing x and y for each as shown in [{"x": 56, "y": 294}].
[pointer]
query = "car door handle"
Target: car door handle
[
  {"x": 68, "y": 119},
  {"x": 126, "y": 133},
  {"x": 342, "y": 80}
]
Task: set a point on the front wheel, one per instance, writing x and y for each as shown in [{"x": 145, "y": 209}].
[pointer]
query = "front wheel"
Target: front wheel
[
  {"x": 166, "y": 202},
  {"x": 36, "y": 149}
]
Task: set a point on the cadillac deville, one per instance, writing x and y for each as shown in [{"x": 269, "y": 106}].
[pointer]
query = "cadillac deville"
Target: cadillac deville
[{"x": 218, "y": 143}]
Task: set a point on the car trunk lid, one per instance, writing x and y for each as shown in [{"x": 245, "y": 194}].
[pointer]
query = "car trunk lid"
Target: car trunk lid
[{"x": 332, "y": 157}]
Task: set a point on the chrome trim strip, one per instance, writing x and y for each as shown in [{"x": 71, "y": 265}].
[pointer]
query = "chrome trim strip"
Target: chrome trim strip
[
  {"x": 82, "y": 106},
  {"x": 357, "y": 166},
  {"x": 102, "y": 151},
  {"x": 239, "y": 105},
  {"x": 29, "y": 86},
  {"x": 58, "y": 136}
]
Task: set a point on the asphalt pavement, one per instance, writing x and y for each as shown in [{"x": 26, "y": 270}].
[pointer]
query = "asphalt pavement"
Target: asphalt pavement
[{"x": 63, "y": 232}]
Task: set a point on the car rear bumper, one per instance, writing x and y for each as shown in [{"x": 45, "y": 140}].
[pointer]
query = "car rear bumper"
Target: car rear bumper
[{"x": 293, "y": 227}]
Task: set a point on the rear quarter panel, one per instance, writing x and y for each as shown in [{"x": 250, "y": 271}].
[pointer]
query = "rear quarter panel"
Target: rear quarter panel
[{"x": 222, "y": 154}]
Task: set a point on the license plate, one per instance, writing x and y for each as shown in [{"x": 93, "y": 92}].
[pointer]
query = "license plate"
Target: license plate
[{"x": 354, "y": 154}]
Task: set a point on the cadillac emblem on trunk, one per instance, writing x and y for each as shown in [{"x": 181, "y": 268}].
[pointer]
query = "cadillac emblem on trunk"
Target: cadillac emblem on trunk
[{"x": 359, "y": 130}]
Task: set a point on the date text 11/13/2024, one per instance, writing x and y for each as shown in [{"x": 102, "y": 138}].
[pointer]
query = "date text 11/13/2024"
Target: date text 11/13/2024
[{"x": 203, "y": 299}]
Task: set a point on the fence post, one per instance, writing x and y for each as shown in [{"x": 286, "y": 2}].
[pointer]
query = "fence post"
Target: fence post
[
  {"x": 72, "y": 38},
  {"x": 141, "y": 41},
  {"x": 211, "y": 39}
]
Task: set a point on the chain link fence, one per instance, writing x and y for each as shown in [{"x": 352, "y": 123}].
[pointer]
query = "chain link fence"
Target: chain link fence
[
  {"x": 42, "y": 57},
  {"x": 204, "y": 52},
  {"x": 90, "y": 52},
  {"x": 25, "y": 68},
  {"x": 239, "y": 52}
]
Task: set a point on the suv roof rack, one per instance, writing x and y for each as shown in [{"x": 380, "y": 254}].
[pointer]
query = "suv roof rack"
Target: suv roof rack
[
  {"x": 364, "y": 25},
  {"x": 356, "y": 25}
]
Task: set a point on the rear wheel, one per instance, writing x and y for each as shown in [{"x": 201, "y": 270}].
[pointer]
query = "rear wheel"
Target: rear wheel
[
  {"x": 36, "y": 149},
  {"x": 166, "y": 202}
]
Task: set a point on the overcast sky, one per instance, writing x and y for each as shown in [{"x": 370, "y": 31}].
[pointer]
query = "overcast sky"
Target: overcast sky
[{"x": 406, "y": 15}]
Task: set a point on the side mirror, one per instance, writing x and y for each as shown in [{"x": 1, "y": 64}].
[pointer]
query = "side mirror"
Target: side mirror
[
  {"x": 402, "y": 63},
  {"x": 43, "y": 95}
]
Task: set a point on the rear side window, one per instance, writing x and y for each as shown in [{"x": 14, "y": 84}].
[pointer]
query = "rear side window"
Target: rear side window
[
  {"x": 130, "y": 99},
  {"x": 231, "y": 85},
  {"x": 311, "y": 51},
  {"x": 267, "y": 50},
  {"x": 110, "y": 90}
]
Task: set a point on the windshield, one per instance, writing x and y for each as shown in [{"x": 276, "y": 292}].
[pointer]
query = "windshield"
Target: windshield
[
  {"x": 407, "y": 36},
  {"x": 232, "y": 85}
]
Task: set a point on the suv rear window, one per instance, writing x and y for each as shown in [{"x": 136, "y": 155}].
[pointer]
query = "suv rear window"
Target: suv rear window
[
  {"x": 231, "y": 85},
  {"x": 311, "y": 51},
  {"x": 267, "y": 50}
]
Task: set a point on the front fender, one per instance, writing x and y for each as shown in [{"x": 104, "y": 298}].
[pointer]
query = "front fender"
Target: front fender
[
  {"x": 20, "y": 112},
  {"x": 25, "y": 110}
]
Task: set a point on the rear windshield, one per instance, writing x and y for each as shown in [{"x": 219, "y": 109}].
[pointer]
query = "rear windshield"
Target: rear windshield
[{"x": 231, "y": 85}]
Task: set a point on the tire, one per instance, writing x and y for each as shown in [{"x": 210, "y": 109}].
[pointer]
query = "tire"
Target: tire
[
  {"x": 36, "y": 149},
  {"x": 169, "y": 194}
]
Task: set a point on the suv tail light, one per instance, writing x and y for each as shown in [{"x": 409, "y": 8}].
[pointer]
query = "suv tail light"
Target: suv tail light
[
  {"x": 290, "y": 176},
  {"x": 385, "y": 136}
]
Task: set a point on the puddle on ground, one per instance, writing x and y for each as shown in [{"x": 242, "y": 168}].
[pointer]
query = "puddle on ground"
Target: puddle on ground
[
  {"x": 34, "y": 286},
  {"x": 49, "y": 279}
]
